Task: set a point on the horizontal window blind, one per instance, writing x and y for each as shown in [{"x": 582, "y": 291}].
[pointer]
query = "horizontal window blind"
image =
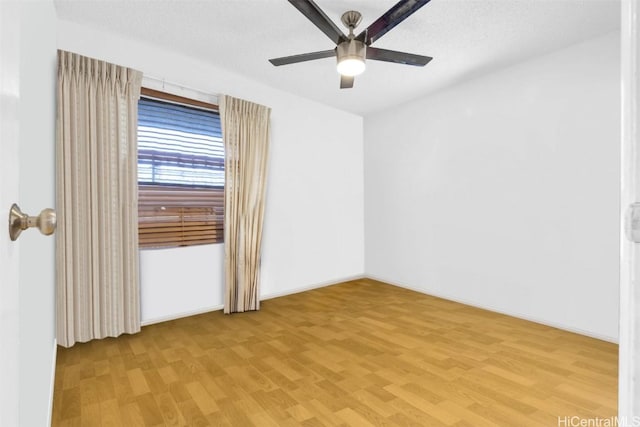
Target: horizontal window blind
[
  {"x": 179, "y": 216},
  {"x": 179, "y": 145},
  {"x": 180, "y": 172}
]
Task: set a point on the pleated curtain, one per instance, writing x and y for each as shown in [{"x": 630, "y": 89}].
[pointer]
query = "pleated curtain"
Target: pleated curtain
[
  {"x": 96, "y": 199},
  {"x": 246, "y": 132}
]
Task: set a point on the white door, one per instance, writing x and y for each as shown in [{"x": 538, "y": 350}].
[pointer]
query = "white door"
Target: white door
[
  {"x": 629, "y": 362},
  {"x": 9, "y": 262}
]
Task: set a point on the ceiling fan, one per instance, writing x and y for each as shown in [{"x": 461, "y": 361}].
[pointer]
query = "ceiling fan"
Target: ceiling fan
[{"x": 351, "y": 50}]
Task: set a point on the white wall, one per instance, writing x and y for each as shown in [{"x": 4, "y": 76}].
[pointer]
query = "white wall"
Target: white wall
[
  {"x": 37, "y": 191},
  {"x": 195, "y": 287},
  {"x": 502, "y": 192},
  {"x": 314, "y": 231}
]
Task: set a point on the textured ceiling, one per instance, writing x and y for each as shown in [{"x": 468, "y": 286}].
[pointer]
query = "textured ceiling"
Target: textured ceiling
[{"x": 467, "y": 38}]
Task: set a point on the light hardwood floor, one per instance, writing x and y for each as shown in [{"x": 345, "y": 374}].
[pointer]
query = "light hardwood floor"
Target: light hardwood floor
[{"x": 359, "y": 353}]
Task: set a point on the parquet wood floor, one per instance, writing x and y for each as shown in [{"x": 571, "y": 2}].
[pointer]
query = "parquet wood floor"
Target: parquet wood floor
[{"x": 360, "y": 353}]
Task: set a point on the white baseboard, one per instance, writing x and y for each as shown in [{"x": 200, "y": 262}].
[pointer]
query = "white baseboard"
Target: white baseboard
[
  {"x": 181, "y": 315},
  {"x": 496, "y": 310},
  {"x": 309, "y": 287},
  {"x": 390, "y": 282},
  {"x": 53, "y": 380}
]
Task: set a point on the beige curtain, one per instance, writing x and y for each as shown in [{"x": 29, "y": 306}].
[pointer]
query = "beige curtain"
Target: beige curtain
[
  {"x": 96, "y": 199},
  {"x": 245, "y": 128}
]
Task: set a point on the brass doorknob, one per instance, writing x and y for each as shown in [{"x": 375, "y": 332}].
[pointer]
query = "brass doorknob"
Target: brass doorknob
[{"x": 18, "y": 221}]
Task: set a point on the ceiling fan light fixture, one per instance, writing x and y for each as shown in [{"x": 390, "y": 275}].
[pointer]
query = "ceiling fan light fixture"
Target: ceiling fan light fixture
[
  {"x": 351, "y": 67},
  {"x": 351, "y": 56}
]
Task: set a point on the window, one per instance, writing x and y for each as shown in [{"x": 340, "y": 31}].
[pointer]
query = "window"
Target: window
[{"x": 180, "y": 172}]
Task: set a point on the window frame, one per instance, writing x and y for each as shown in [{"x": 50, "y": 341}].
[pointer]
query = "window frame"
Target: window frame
[{"x": 207, "y": 201}]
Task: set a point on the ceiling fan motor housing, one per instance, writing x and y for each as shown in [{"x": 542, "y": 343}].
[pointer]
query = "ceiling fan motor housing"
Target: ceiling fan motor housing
[{"x": 353, "y": 50}]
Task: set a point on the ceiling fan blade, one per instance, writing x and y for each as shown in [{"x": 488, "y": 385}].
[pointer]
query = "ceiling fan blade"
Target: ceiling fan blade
[
  {"x": 320, "y": 19},
  {"x": 397, "y": 57},
  {"x": 303, "y": 57},
  {"x": 398, "y": 13},
  {"x": 346, "y": 82}
]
